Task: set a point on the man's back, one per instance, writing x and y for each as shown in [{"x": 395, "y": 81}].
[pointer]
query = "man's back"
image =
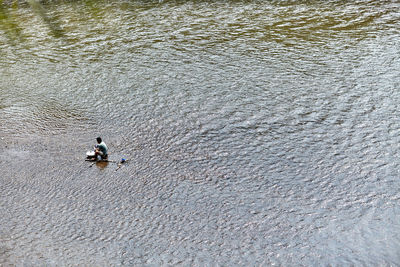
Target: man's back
[{"x": 103, "y": 148}]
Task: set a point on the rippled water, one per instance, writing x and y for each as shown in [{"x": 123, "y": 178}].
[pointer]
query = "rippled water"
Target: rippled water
[{"x": 256, "y": 133}]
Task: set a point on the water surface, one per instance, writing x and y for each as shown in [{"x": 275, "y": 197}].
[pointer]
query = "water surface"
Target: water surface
[{"x": 256, "y": 133}]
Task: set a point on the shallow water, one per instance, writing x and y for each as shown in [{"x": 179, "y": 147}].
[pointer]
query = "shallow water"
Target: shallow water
[{"x": 256, "y": 133}]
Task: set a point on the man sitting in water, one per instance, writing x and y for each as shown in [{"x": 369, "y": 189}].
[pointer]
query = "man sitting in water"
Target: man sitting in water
[{"x": 101, "y": 149}]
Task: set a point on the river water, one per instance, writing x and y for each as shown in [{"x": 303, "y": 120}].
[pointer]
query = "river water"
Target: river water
[{"x": 257, "y": 133}]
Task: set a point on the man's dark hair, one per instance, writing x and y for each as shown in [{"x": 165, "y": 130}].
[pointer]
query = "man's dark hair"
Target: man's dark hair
[{"x": 98, "y": 140}]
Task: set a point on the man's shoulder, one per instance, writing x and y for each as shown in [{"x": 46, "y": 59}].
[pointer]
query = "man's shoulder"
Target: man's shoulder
[{"x": 102, "y": 144}]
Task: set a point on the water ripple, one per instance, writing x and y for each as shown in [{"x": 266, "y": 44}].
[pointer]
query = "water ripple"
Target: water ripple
[{"x": 257, "y": 133}]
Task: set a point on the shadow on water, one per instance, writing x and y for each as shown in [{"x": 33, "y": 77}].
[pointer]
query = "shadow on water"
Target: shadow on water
[
  {"x": 12, "y": 24},
  {"x": 13, "y": 27},
  {"x": 9, "y": 25},
  {"x": 51, "y": 21}
]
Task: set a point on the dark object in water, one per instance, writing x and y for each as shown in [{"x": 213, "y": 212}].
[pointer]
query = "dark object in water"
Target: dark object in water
[
  {"x": 120, "y": 163},
  {"x": 100, "y": 160}
]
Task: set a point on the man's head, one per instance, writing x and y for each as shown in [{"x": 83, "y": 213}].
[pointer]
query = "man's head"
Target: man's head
[{"x": 98, "y": 140}]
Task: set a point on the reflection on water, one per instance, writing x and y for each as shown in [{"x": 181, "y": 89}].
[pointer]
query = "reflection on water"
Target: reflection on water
[
  {"x": 257, "y": 132},
  {"x": 101, "y": 164}
]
